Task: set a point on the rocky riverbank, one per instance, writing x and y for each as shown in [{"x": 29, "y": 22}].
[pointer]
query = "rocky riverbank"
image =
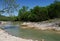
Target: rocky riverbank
[
  {"x": 42, "y": 25},
  {"x": 4, "y": 36}
]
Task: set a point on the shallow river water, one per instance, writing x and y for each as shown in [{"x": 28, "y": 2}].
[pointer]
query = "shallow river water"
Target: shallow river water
[{"x": 34, "y": 34}]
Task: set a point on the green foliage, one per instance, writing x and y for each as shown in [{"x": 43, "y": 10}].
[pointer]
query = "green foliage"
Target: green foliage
[
  {"x": 40, "y": 13},
  {"x": 3, "y": 18},
  {"x": 54, "y": 10},
  {"x": 36, "y": 14},
  {"x": 22, "y": 13}
]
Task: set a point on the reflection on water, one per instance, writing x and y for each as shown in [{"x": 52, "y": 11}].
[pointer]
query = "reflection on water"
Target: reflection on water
[{"x": 15, "y": 30}]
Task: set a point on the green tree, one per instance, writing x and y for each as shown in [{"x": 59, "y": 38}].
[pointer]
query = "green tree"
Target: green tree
[
  {"x": 22, "y": 12},
  {"x": 40, "y": 13},
  {"x": 54, "y": 10}
]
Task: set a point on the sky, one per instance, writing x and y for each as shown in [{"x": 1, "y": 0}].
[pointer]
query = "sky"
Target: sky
[{"x": 31, "y": 3}]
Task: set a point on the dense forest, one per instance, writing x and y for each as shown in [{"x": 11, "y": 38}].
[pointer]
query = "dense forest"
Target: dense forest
[{"x": 36, "y": 14}]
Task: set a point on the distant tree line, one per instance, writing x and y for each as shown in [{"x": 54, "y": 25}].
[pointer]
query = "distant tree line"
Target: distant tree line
[
  {"x": 37, "y": 13},
  {"x": 40, "y": 13},
  {"x": 7, "y": 18}
]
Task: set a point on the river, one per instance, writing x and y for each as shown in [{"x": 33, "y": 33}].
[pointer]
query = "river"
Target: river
[{"x": 16, "y": 30}]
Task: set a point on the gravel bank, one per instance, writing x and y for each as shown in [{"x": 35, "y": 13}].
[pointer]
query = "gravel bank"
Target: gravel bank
[{"x": 4, "y": 36}]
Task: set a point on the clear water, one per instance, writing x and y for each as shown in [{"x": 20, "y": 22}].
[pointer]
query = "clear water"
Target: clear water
[{"x": 32, "y": 33}]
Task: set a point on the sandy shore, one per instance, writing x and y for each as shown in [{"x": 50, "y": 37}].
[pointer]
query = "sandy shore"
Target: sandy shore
[{"x": 4, "y": 36}]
